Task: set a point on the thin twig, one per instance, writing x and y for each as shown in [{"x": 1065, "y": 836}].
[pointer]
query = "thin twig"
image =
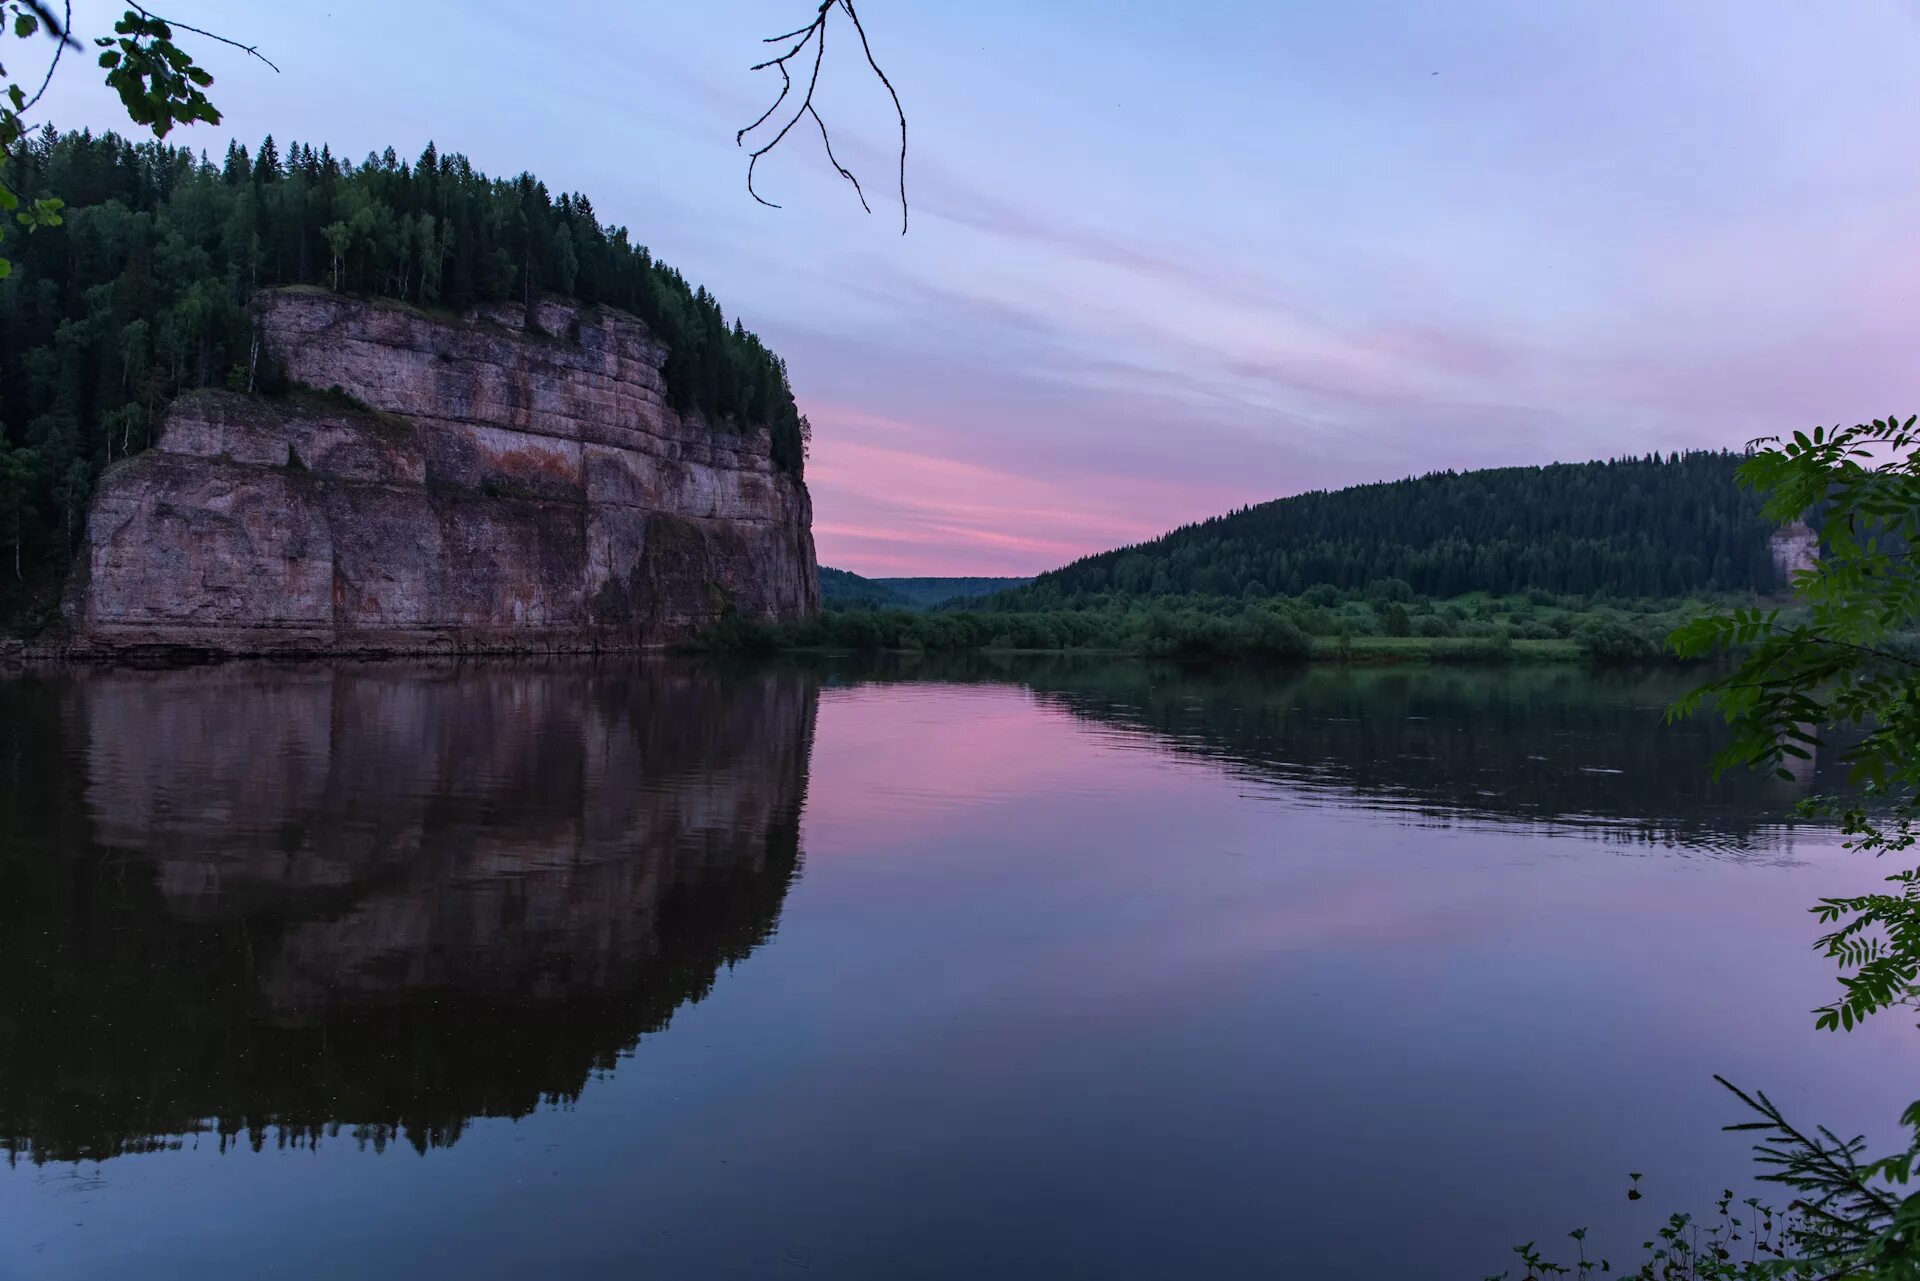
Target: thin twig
[
  {"x": 834, "y": 161},
  {"x": 786, "y": 85},
  {"x": 252, "y": 50},
  {"x": 897, "y": 108},
  {"x": 824, "y": 6},
  {"x": 58, "y": 49}
]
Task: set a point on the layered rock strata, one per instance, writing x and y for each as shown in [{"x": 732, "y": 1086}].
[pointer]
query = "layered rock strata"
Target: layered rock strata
[{"x": 512, "y": 480}]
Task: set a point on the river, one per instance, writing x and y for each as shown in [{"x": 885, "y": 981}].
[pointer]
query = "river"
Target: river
[{"x": 1019, "y": 967}]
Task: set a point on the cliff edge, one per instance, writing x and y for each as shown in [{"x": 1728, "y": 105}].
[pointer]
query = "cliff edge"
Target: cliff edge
[
  {"x": 1795, "y": 549},
  {"x": 510, "y": 480}
]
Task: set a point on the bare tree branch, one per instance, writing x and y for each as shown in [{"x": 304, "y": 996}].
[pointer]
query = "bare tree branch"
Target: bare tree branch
[
  {"x": 251, "y": 50},
  {"x": 815, "y": 34}
]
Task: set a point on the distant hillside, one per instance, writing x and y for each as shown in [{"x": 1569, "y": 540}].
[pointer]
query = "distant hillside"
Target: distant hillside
[
  {"x": 838, "y": 587},
  {"x": 843, "y": 589},
  {"x": 1632, "y": 527},
  {"x": 924, "y": 593}
]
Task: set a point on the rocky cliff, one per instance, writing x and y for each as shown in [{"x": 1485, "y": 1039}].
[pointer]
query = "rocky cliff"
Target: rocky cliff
[
  {"x": 507, "y": 480},
  {"x": 1794, "y": 548}
]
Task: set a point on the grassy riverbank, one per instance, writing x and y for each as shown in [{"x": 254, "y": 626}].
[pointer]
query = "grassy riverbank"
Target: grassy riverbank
[{"x": 1426, "y": 649}]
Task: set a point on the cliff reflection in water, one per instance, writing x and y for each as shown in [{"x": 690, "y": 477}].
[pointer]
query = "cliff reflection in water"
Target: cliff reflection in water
[{"x": 286, "y": 902}]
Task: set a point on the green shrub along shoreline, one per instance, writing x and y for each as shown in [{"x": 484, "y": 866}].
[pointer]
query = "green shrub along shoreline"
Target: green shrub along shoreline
[{"x": 1387, "y": 623}]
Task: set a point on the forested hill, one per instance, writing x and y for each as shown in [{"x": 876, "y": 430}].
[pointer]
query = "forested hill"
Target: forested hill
[
  {"x": 838, "y": 587},
  {"x": 141, "y": 293},
  {"x": 1631, "y": 527}
]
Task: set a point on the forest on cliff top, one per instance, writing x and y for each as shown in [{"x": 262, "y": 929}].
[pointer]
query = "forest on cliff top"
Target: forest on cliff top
[{"x": 140, "y": 294}]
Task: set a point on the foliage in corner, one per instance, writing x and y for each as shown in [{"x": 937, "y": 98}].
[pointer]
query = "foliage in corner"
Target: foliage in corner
[
  {"x": 1843, "y": 659},
  {"x": 1846, "y": 658},
  {"x": 156, "y": 79},
  {"x": 159, "y": 84}
]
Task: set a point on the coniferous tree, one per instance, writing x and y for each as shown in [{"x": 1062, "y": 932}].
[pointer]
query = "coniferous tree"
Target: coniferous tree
[{"x": 266, "y": 167}]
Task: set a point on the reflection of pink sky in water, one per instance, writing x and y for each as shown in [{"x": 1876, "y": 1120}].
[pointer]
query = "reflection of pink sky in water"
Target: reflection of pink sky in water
[
  {"x": 1513, "y": 1014},
  {"x": 906, "y": 759},
  {"x": 1192, "y": 876}
]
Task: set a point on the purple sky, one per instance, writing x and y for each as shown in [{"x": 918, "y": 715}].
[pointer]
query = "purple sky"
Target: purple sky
[{"x": 1166, "y": 260}]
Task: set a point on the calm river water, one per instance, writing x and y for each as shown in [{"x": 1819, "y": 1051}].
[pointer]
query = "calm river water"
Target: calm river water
[{"x": 1040, "y": 968}]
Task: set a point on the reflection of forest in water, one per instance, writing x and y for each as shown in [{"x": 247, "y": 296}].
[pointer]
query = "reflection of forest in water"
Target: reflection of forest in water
[
  {"x": 279, "y": 902},
  {"x": 1556, "y": 744}
]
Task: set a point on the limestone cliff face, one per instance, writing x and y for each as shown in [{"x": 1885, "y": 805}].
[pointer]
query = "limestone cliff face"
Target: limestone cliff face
[
  {"x": 1795, "y": 548},
  {"x": 498, "y": 482}
]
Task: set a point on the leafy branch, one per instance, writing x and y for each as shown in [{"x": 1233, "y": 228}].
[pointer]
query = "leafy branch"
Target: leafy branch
[
  {"x": 1844, "y": 656},
  {"x": 158, "y": 82}
]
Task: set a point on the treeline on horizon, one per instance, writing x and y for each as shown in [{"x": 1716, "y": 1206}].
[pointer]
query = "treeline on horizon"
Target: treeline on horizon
[
  {"x": 140, "y": 294},
  {"x": 1655, "y": 527}
]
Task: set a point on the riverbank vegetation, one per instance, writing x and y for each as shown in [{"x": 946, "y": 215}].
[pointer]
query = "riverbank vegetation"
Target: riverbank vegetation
[{"x": 1385, "y": 623}]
